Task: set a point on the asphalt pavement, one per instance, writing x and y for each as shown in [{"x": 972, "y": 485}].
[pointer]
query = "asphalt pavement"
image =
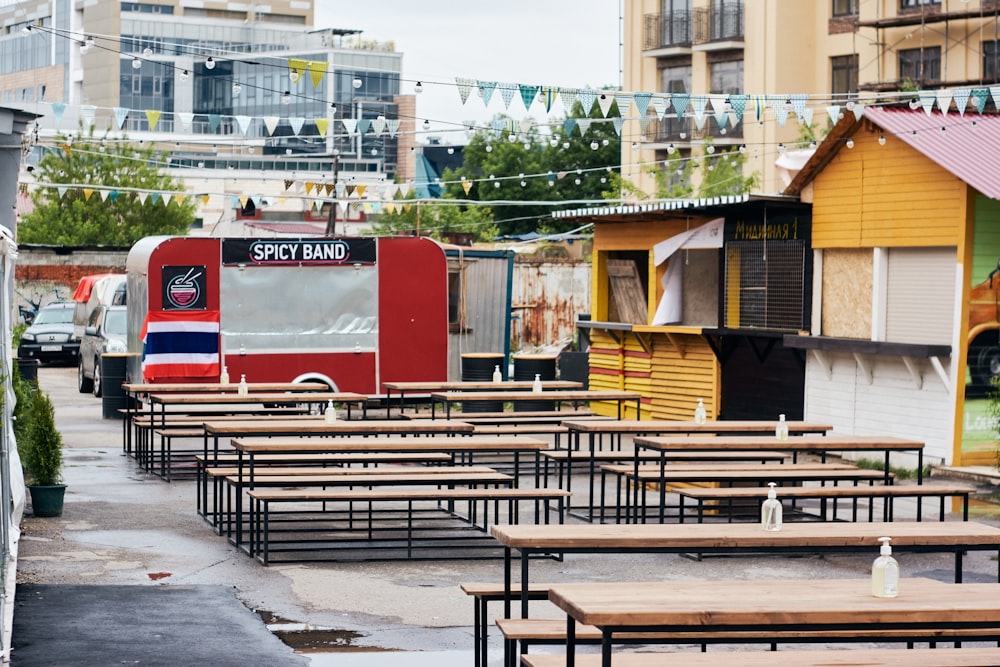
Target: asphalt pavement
[{"x": 144, "y": 580}]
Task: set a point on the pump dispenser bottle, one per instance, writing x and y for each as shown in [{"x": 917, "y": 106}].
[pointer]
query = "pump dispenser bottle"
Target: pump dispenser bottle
[
  {"x": 330, "y": 414},
  {"x": 781, "y": 428},
  {"x": 700, "y": 415},
  {"x": 243, "y": 389},
  {"x": 536, "y": 385},
  {"x": 770, "y": 510},
  {"x": 497, "y": 376},
  {"x": 224, "y": 376},
  {"x": 885, "y": 572}
]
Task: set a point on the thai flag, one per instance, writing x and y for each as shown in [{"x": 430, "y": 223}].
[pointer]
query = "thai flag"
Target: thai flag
[{"x": 180, "y": 343}]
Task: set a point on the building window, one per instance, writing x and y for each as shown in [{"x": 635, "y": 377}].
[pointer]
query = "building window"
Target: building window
[
  {"x": 845, "y": 7},
  {"x": 991, "y": 61},
  {"x": 914, "y": 4},
  {"x": 844, "y": 75},
  {"x": 726, "y": 77},
  {"x": 920, "y": 65}
]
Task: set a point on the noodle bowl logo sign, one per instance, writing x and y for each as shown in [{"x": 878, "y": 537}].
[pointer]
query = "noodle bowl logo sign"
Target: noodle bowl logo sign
[{"x": 184, "y": 288}]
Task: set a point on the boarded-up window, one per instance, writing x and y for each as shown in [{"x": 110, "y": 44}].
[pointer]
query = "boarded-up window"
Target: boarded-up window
[
  {"x": 628, "y": 297},
  {"x": 765, "y": 284},
  {"x": 920, "y": 295}
]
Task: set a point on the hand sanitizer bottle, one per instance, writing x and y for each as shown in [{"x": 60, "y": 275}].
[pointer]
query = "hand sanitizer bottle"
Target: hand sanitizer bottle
[
  {"x": 243, "y": 389},
  {"x": 497, "y": 375},
  {"x": 781, "y": 428},
  {"x": 224, "y": 376},
  {"x": 770, "y": 511},
  {"x": 699, "y": 412},
  {"x": 536, "y": 385},
  {"x": 885, "y": 572},
  {"x": 330, "y": 414}
]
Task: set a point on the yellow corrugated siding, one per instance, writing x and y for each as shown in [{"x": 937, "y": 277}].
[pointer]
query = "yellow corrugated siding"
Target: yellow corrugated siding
[
  {"x": 679, "y": 380},
  {"x": 606, "y": 354},
  {"x": 891, "y": 195},
  {"x": 638, "y": 375}
]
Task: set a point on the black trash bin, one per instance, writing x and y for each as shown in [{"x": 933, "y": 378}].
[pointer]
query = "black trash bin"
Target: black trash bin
[
  {"x": 526, "y": 367},
  {"x": 28, "y": 368},
  {"x": 113, "y": 396},
  {"x": 478, "y": 367}
]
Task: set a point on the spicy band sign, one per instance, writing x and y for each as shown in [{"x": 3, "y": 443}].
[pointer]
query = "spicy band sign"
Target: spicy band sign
[{"x": 272, "y": 252}]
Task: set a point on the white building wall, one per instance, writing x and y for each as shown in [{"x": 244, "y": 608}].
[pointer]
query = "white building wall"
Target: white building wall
[{"x": 892, "y": 404}]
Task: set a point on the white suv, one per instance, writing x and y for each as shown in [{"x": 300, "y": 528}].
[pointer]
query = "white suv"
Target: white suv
[{"x": 105, "y": 332}]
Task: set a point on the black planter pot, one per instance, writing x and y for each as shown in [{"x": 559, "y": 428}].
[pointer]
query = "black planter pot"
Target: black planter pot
[{"x": 47, "y": 501}]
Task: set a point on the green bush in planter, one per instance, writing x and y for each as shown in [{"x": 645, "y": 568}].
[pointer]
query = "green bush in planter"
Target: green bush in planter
[
  {"x": 24, "y": 393},
  {"x": 41, "y": 451}
]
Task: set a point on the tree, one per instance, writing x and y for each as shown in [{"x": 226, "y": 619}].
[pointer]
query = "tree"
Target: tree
[
  {"x": 434, "y": 219},
  {"x": 722, "y": 173},
  {"x": 75, "y": 218}
]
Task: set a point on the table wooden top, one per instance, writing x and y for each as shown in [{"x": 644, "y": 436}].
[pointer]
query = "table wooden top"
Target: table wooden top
[
  {"x": 391, "y": 444},
  {"x": 802, "y": 443},
  {"x": 554, "y": 395},
  {"x": 759, "y": 473},
  {"x": 669, "y": 426},
  {"x": 260, "y": 397},
  {"x": 777, "y": 604},
  {"x": 693, "y": 536},
  {"x": 455, "y": 475},
  {"x": 270, "y": 426},
  {"x": 479, "y": 386},
  {"x": 215, "y": 387}
]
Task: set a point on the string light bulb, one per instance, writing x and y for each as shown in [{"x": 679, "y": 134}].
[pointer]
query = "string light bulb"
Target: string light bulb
[
  {"x": 451, "y": 150},
  {"x": 286, "y": 97},
  {"x": 850, "y": 142},
  {"x": 294, "y": 75},
  {"x": 210, "y": 63},
  {"x": 427, "y": 124},
  {"x": 419, "y": 88},
  {"x": 881, "y": 140},
  {"x": 237, "y": 88},
  {"x": 147, "y": 52},
  {"x": 489, "y": 148},
  {"x": 357, "y": 83},
  {"x": 185, "y": 75},
  {"x": 711, "y": 149},
  {"x": 914, "y": 103},
  {"x": 635, "y": 145},
  {"x": 594, "y": 145},
  {"x": 136, "y": 63},
  {"x": 671, "y": 149},
  {"x": 577, "y": 181},
  {"x": 89, "y": 41},
  {"x": 554, "y": 141}
]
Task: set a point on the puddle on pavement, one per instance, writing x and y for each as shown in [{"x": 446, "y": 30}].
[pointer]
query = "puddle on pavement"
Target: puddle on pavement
[{"x": 305, "y": 638}]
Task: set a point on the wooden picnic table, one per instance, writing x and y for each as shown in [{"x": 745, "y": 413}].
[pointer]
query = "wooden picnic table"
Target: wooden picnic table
[
  {"x": 558, "y": 396},
  {"x": 768, "y": 606},
  {"x": 466, "y": 385},
  {"x": 141, "y": 388},
  {"x": 712, "y": 538}
]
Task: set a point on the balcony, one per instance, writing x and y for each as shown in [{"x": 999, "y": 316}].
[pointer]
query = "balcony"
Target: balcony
[
  {"x": 671, "y": 130},
  {"x": 719, "y": 27},
  {"x": 667, "y": 32}
]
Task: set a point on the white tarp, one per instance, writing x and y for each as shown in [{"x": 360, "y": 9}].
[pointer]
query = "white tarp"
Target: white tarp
[{"x": 706, "y": 237}]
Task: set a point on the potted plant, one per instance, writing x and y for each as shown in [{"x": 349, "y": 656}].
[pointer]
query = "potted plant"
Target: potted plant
[{"x": 41, "y": 455}]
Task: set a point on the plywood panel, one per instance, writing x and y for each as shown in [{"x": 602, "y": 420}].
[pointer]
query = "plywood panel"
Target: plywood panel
[
  {"x": 847, "y": 293},
  {"x": 628, "y": 298}
]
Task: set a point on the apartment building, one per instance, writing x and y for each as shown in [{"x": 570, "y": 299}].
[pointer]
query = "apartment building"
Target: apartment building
[
  {"x": 834, "y": 51},
  {"x": 245, "y": 96}
]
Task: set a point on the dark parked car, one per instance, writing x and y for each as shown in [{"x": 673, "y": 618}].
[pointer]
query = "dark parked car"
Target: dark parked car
[{"x": 50, "y": 337}]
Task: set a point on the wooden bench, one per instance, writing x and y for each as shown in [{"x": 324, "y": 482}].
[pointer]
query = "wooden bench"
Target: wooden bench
[
  {"x": 888, "y": 494},
  {"x": 477, "y": 501},
  {"x": 484, "y": 593},
  {"x": 877, "y": 657},
  {"x": 523, "y": 416}
]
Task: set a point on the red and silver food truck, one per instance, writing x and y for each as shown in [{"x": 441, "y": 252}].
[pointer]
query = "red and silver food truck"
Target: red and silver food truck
[{"x": 350, "y": 312}]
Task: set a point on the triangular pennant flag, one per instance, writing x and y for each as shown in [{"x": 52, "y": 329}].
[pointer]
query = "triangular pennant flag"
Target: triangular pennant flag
[
  {"x": 680, "y": 102},
  {"x": 243, "y": 201},
  {"x": 528, "y": 95},
  {"x": 549, "y": 94},
  {"x": 407, "y": 207},
  {"x": 859, "y": 110},
  {"x": 624, "y": 101},
  {"x": 807, "y": 116},
  {"x": 995, "y": 93},
  {"x": 244, "y": 124},
  {"x": 61, "y": 189},
  {"x": 584, "y": 124},
  {"x": 507, "y": 91},
  {"x": 699, "y": 121},
  {"x": 288, "y": 183},
  {"x": 927, "y": 99},
  {"x": 569, "y": 97},
  {"x": 834, "y": 113},
  {"x": 341, "y": 189},
  {"x": 296, "y": 122},
  {"x": 392, "y": 126},
  {"x": 214, "y": 121},
  {"x": 155, "y": 197},
  {"x": 317, "y": 70},
  {"x": 87, "y": 112},
  {"x": 660, "y": 105},
  {"x": 604, "y": 101},
  {"x": 642, "y": 101},
  {"x": 57, "y": 110},
  {"x": 798, "y": 104},
  {"x": 257, "y": 200},
  {"x": 322, "y": 125},
  {"x": 67, "y": 149},
  {"x": 486, "y": 89},
  {"x": 153, "y": 116},
  {"x": 121, "y": 114},
  {"x": 296, "y": 68},
  {"x": 644, "y": 122},
  {"x": 327, "y": 188},
  {"x": 361, "y": 190},
  {"x": 179, "y": 198},
  {"x": 568, "y": 125},
  {"x": 350, "y": 189},
  {"x": 186, "y": 119},
  {"x": 587, "y": 99},
  {"x": 87, "y": 193},
  {"x": 464, "y": 88},
  {"x": 618, "y": 121},
  {"x": 979, "y": 97},
  {"x": 698, "y": 104},
  {"x": 466, "y": 185},
  {"x": 113, "y": 195},
  {"x": 780, "y": 113},
  {"x": 390, "y": 208},
  {"x": 759, "y": 105},
  {"x": 739, "y": 105},
  {"x": 350, "y": 125},
  {"x": 309, "y": 187},
  {"x": 142, "y": 196},
  {"x": 104, "y": 195},
  {"x": 205, "y": 199},
  {"x": 234, "y": 201},
  {"x": 363, "y": 125},
  {"x": 962, "y": 99},
  {"x": 404, "y": 189},
  {"x": 721, "y": 118},
  {"x": 271, "y": 123},
  {"x": 526, "y": 125},
  {"x": 943, "y": 99},
  {"x": 378, "y": 126}
]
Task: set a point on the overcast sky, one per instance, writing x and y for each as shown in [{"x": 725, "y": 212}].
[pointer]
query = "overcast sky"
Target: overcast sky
[{"x": 569, "y": 43}]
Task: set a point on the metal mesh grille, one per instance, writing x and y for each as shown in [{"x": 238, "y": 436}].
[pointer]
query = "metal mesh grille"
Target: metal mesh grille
[{"x": 765, "y": 284}]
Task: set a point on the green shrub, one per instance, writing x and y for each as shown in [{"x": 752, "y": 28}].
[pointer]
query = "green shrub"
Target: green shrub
[{"x": 41, "y": 453}]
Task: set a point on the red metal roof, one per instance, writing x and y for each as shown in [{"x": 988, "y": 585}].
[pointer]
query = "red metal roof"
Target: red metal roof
[{"x": 967, "y": 146}]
